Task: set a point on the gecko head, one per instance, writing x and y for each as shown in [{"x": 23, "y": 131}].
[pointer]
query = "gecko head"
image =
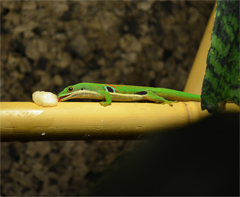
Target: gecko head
[{"x": 70, "y": 92}]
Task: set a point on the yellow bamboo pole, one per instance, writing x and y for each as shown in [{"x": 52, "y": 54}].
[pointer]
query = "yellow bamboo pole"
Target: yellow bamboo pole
[
  {"x": 195, "y": 78},
  {"x": 26, "y": 121}
]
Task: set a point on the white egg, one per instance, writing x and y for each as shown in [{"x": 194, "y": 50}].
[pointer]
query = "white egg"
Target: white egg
[{"x": 45, "y": 99}]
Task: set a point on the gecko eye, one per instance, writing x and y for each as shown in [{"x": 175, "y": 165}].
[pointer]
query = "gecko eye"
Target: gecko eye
[{"x": 70, "y": 89}]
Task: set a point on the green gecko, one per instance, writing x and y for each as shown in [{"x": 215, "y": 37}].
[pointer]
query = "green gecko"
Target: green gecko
[{"x": 110, "y": 92}]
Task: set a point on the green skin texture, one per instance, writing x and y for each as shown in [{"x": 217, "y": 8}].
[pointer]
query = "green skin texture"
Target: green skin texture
[
  {"x": 127, "y": 93},
  {"x": 221, "y": 82}
]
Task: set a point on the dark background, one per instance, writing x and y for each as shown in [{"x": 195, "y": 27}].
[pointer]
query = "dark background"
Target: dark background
[{"x": 47, "y": 46}]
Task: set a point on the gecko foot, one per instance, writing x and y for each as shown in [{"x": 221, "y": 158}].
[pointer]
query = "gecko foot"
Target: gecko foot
[
  {"x": 169, "y": 102},
  {"x": 104, "y": 104}
]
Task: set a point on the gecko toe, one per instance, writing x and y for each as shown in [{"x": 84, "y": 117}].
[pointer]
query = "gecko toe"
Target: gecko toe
[{"x": 104, "y": 104}]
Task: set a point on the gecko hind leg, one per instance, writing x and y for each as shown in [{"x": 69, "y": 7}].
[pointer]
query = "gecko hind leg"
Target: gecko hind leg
[{"x": 151, "y": 96}]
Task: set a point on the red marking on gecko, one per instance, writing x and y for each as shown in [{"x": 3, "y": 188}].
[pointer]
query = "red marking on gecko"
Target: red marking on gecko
[{"x": 110, "y": 85}]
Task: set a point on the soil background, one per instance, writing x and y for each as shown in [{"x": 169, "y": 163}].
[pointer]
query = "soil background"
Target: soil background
[{"x": 47, "y": 46}]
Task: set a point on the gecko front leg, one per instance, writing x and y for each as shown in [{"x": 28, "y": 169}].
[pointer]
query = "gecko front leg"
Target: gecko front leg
[{"x": 107, "y": 98}]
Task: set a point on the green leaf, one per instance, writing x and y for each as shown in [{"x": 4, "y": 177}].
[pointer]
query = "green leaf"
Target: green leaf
[{"x": 222, "y": 81}]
